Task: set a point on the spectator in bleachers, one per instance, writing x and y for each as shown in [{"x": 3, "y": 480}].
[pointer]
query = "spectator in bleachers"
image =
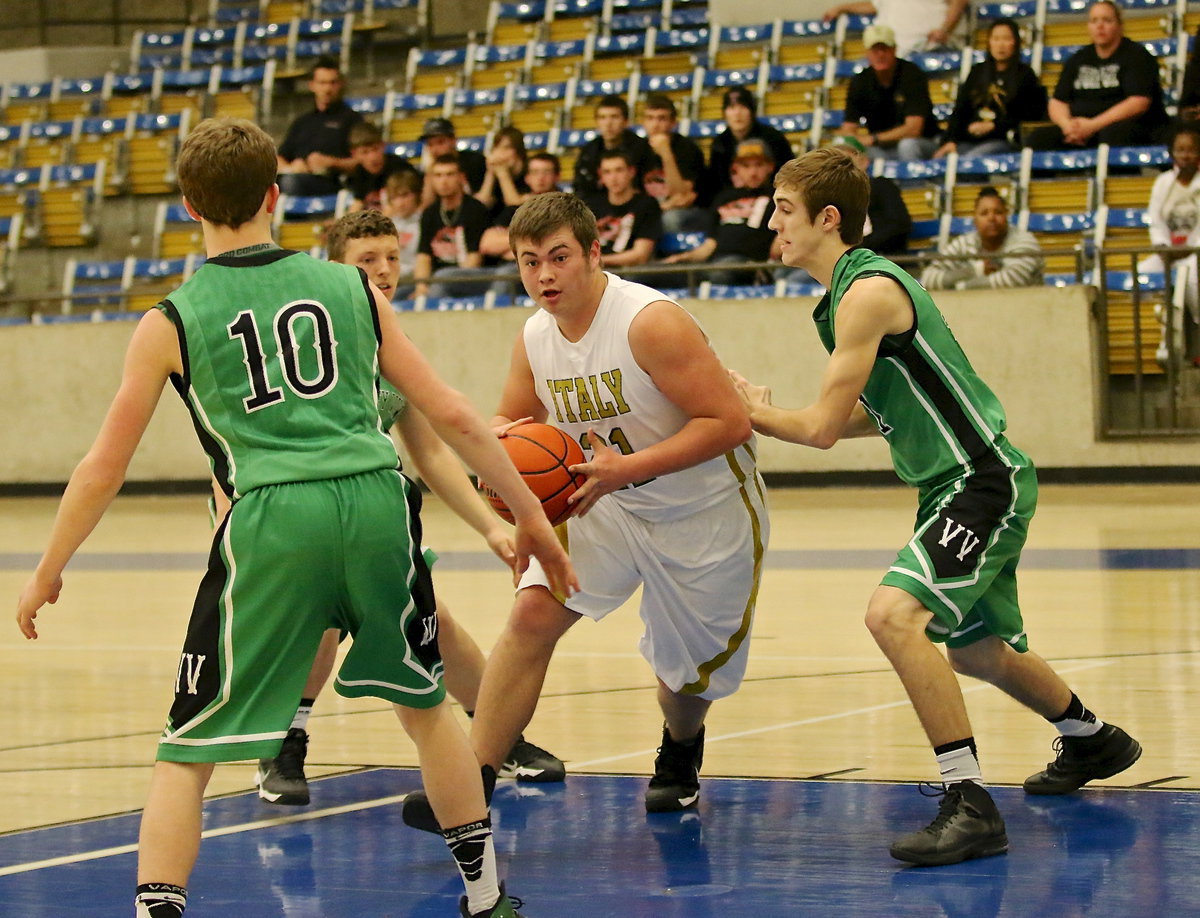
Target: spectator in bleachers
[
  {"x": 1109, "y": 91},
  {"x": 629, "y": 222},
  {"x": 919, "y": 25},
  {"x": 373, "y": 166},
  {"x": 401, "y": 201},
  {"x": 542, "y": 174},
  {"x": 1175, "y": 198},
  {"x": 1175, "y": 221},
  {"x": 504, "y": 182},
  {"x": 738, "y": 230},
  {"x": 676, "y": 170},
  {"x": 1001, "y": 255},
  {"x": 612, "y": 133},
  {"x": 315, "y": 152},
  {"x": 998, "y": 95},
  {"x": 438, "y": 139},
  {"x": 888, "y": 222},
  {"x": 888, "y": 108},
  {"x": 740, "y": 110},
  {"x": 448, "y": 258}
]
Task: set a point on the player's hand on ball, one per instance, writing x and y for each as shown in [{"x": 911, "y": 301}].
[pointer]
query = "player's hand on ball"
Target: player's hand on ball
[
  {"x": 503, "y": 429},
  {"x": 604, "y": 475},
  {"x": 36, "y": 594}
]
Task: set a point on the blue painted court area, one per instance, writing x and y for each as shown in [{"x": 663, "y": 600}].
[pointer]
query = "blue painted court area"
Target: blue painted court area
[{"x": 760, "y": 848}]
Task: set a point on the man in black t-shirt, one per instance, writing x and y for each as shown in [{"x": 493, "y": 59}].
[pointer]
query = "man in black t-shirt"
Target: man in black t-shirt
[
  {"x": 628, "y": 221},
  {"x": 738, "y": 230},
  {"x": 740, "y": 110},
  {"x": 888, "y": 108},
  {"x": 675, "y": 176},
  {"x": 438, "y": 139},
  {"x": 1108, "y": 92},
  {"x": 612, "y": 133},
  {"x": 373, "y": 165},
  {"x": 315, "y": 152},
  {"x": 451, "y": 228}
]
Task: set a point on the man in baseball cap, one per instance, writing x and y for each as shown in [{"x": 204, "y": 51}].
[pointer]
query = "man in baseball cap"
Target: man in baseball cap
[
  {"x": 879, "y": 34},
  {"x": 437, "y": 139},
  {"x": 888, "y": 108}
]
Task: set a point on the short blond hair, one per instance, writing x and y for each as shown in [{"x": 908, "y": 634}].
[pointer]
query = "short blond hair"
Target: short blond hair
[
  {"x": 828, "y": 177},
  {"x": 225, "y": 167},
  {"x": 362, "y": 224}
]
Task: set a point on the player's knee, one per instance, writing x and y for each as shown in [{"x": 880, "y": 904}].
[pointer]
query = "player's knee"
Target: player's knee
[
  {"x": 538, "y": 619},
  {"x": 889, "y": 620},
  {"x": 982, "y": 660}
]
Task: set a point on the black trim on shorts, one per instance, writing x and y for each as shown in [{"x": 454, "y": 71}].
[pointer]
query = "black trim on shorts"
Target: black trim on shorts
[
  {"x": 429, "y": 653},
  {"x": 203, "y": 639},
  {"x": 970, "y": 519}
]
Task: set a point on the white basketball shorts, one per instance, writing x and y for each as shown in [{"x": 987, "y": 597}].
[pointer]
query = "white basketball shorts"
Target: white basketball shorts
[{"x": 699, "y": 577}]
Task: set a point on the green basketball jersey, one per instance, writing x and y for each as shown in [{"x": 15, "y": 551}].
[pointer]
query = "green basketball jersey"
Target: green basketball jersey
[
  {"x": 280, "y": 358},
  {"x": 937, "y": 415}
]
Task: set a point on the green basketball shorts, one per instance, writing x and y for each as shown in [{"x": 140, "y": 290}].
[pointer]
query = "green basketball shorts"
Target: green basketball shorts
[
  {"x": 288, "y": 562},
  {"x": 962, "y": 560}
]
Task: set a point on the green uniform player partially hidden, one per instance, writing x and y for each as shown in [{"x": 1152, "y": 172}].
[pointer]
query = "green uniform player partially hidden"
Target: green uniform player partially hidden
[
  {"x": 276, "y": 356},
  {"x": 895, "y": 369}
]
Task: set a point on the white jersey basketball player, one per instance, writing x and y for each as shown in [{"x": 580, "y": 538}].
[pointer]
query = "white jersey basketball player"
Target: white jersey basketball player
[{"x": 673, "y": 502}]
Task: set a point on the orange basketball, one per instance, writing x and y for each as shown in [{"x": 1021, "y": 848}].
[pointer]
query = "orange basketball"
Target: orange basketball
[{"x": 543, "y": 455}]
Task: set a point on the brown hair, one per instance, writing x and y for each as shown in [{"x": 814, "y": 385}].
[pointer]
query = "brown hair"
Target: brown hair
[
  {"x": 363, "y": 224},
  {"x": 364, "y": 134},
  {"x": 403, "y": 180},
  {"x": 660, "y": 102},
  {"x": 828, "y": 177},
  {"x": 547, "y": 213},
  {"x": 225, "y": 167},
  {"x": 1116, "y": 8}
]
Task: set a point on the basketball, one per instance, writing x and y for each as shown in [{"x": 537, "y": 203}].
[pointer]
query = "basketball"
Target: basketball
[{"x": 543, "y": 455}]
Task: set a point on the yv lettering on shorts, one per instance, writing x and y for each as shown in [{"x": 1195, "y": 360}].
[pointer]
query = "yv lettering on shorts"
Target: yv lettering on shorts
[
  {"x": 189, "y": 670},
  {"x": 952, "y": 531},
  {"x": 429, "y": 623}
]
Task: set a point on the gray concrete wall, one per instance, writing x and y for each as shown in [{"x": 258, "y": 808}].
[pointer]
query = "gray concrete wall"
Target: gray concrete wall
[{"x": 1032, "y": 346}]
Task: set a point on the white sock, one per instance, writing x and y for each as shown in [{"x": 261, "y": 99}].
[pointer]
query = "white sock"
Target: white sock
[
  {"x": 300, "y": 721},
  {"x": 959, "y": 765}
]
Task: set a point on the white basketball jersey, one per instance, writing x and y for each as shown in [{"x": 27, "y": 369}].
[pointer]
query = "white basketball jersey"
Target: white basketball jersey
[{"x": 596, "y": 383}]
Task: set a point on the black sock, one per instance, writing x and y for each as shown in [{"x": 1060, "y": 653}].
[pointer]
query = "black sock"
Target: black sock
[
  {"x": 1076, "y": 720},
  {"x": 160, "y": 900}
]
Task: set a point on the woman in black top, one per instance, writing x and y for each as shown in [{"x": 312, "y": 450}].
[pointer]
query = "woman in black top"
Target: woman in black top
[
  {"x": 1109, "y": 92},
  {"x": 997, "y": 95}
]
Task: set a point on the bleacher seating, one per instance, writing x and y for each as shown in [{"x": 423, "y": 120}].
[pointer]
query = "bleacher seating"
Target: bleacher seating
[
  {"x": 301, "y": 221},
  {"x": 541, "y": 66},
  {"x": 10, "y": 244}
]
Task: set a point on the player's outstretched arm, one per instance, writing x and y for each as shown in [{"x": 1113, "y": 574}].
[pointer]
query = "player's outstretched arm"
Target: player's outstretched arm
[
  {"x": 439, "y": 468},
  {"x": 872, "y": 308},
  {"x": 462, "y": 428},
  {"x": 152, "y": 356}
]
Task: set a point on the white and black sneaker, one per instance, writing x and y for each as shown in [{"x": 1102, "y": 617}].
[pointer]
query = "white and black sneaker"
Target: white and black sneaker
[
  {"x": 529, "y": 763},
  {"x": 281, "y": 780},
  {"x": 676, "y": 782}
]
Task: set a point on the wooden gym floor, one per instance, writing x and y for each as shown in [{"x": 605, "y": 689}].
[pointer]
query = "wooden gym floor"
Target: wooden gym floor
[{"x": 1111, "y": 590}]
